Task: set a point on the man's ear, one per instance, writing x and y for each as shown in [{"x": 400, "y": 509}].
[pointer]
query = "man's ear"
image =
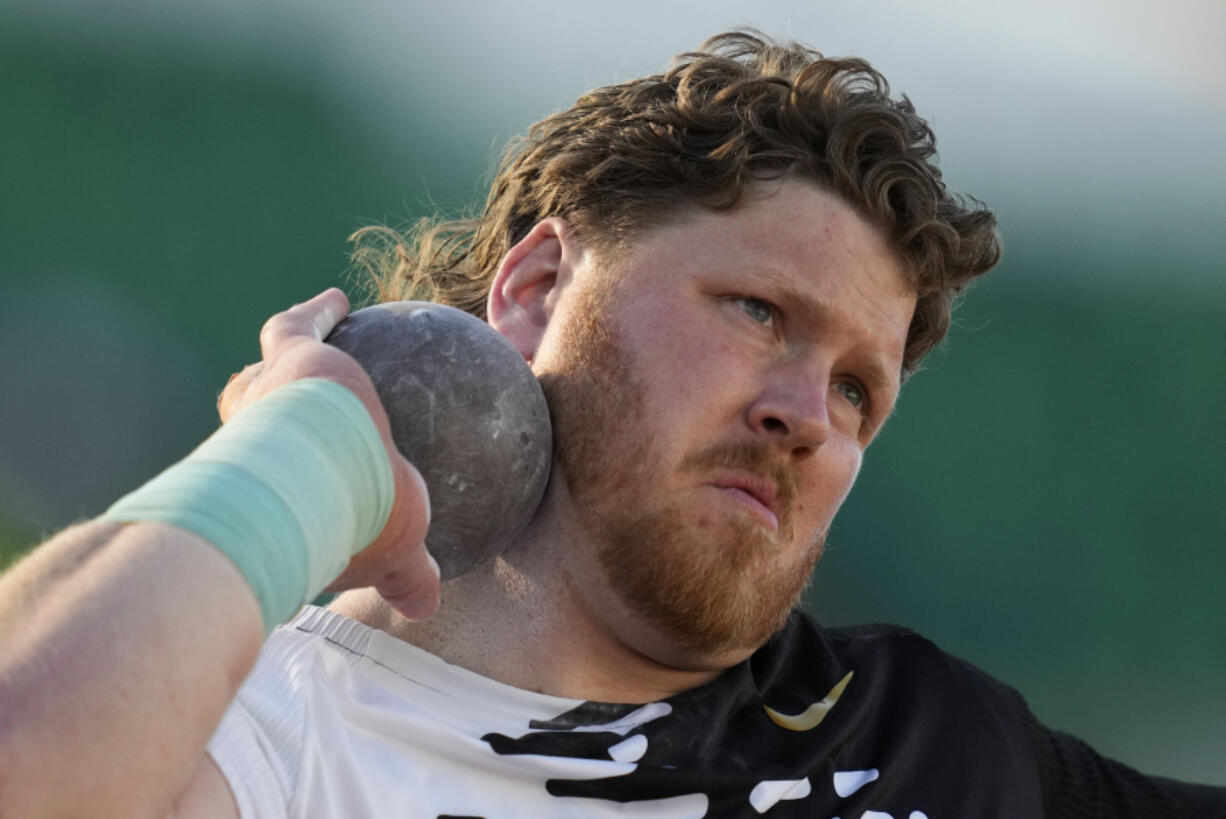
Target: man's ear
[{"x": 528, "y": 282}]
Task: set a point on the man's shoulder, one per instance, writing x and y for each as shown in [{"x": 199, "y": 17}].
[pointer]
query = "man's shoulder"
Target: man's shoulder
[
  {"x": 883, "y": 647},
  {"x": 888, "y": 636},
  {"x": 895, "y": 676},
  {"x": 886, "y": 648},
  {"x": 884, "y": 703}
]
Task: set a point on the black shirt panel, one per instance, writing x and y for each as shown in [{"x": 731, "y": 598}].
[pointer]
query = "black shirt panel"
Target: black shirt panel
[{"x": 869, "y": 722}]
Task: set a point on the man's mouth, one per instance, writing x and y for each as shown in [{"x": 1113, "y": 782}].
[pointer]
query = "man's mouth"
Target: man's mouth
[{"x": 757, "y": 495}]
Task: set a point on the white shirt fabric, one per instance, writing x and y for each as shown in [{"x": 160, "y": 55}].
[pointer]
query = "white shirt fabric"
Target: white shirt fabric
[
  {"x": 341, "y": 720},
  {"x": 338, "y": 720}
]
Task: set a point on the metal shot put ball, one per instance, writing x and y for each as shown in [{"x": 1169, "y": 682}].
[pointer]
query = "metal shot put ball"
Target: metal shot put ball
[{"x": 466, "y": 410}]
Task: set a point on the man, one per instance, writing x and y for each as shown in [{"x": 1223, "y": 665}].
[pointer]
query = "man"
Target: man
[{"x": 721, "y": 277}]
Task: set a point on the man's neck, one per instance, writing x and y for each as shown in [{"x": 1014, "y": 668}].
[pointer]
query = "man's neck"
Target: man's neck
[{"x": 520, "y": 621}]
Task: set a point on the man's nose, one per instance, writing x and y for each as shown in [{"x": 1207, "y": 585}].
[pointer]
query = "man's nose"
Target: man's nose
[{"x": 792, "y": 412}]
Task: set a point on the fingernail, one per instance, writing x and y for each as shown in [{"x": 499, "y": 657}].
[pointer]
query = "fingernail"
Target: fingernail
[{"x": 324, "y": 323}]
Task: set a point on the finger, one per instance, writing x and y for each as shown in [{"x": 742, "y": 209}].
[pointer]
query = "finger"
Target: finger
[
  {"x": 415, "y": 592},
  {"x": 312, "y": 319},
  {"x": 231, "y": 397},
  {"x": 410, "y": 580},
  {"x": 397, "y": 564}
]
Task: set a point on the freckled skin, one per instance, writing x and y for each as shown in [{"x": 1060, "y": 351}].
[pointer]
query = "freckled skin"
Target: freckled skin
[
  {"x": 717, "y": 343},
  {"x": 686, "y": 369}
]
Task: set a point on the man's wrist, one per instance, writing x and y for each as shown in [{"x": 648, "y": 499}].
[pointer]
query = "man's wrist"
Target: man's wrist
[{"x": 291, "y": 488}]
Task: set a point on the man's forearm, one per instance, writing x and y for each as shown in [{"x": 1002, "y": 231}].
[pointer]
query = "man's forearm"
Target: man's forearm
[
  {"x": 120, "y": 648},
  {"x": 122, "y": 641}
]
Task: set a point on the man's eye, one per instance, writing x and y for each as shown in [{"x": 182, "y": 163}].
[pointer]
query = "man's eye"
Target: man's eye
[
  {"x": 758, "y": 310},
  {"x": 852, "y": 392}
]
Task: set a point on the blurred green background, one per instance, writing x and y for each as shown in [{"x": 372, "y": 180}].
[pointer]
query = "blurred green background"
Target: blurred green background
[{"x": 1046, "y": 502}]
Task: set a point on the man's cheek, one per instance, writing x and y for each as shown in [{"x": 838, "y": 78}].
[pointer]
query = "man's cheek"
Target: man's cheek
[{"x": 826, "y": 496}]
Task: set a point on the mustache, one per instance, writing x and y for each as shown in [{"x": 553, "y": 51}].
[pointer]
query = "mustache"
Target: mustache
[{"x": 751, "y": 456}]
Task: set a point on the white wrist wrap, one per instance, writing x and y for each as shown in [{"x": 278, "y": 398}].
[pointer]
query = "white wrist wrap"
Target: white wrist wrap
[{"x": 290, "y": 488}]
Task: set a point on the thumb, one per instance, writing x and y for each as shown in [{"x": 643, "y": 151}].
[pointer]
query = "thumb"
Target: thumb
[{"x": 415, "y": 592}]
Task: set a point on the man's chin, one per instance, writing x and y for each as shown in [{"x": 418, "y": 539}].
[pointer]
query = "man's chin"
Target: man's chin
[
  {"x": 734, "y": 597},
  {"x": 690, "y": 651},
  {"x": 713, "y": 589}
]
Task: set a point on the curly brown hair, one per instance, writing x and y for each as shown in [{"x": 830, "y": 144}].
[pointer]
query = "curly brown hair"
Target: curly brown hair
[{"x": 741, "y": 109}]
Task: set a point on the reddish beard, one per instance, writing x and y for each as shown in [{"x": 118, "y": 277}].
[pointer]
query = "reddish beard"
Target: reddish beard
[{"x": 714, "y": 585}]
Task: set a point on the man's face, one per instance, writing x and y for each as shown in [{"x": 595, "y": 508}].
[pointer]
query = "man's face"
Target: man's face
[{"x": 713, "y": 388}]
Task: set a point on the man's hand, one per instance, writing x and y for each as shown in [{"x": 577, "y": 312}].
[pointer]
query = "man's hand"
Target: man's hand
[
  {"x": 396, "y": 564},
  {"x": 137, "y": 635}
]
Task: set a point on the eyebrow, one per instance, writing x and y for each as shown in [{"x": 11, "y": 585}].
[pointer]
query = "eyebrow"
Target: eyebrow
[{"x": 882, "y": 380}]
